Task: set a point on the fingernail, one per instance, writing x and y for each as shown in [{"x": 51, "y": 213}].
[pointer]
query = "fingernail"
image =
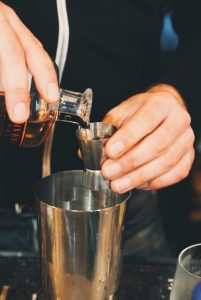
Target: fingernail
[
  {"x": 123, "y": 184},
  {"x": 20, "y": 112},
  {"x": 53, "y": 93},
  {"x": 116, "y": 148},
  {"x": 112, "y": 169}
]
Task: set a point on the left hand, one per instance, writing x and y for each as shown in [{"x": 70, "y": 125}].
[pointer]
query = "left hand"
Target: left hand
[{"x": 153, "y": 146}]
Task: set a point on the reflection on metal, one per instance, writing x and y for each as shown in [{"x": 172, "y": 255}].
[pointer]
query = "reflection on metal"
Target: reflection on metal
[
  {"x": 5, "y": 290},
  {"x": 94, "y": 180},
  {"x": 170, "y": 283},
  {"x": 81, "y": 238},
  {"x": 92, "y": 143},
  {"x": 17, "y": 254}
]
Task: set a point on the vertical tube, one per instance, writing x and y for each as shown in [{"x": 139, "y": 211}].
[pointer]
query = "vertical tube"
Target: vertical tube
[{"x": 62, "y": 49}]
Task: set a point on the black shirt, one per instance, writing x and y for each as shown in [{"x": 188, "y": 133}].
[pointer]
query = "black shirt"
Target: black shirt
[{"x": 114, "y": 48}]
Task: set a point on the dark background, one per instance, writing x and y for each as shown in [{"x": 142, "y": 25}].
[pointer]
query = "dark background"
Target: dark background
[{"x": 21, "y": 168}]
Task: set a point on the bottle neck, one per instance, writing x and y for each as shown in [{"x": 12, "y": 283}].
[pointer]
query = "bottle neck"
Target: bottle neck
[{"x": 75, "y": 107}]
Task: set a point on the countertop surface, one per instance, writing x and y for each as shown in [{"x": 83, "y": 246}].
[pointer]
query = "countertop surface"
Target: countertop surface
[{"x": 141, "y": 279}]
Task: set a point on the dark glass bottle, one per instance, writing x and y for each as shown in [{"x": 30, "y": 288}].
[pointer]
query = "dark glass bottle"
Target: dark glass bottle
[{"x": 72, "y": 107}]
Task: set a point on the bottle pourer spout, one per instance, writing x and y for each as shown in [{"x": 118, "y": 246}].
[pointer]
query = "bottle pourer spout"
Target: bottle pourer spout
[{"x": 75, "y": 107}]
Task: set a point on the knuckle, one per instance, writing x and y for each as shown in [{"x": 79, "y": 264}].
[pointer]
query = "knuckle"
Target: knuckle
[
  {"x": 191, "y": 136},
  {"x": 111, "y": 117},
  {"x": 130, "y": 137},
  {"x": 9, "y": 11},
  {"x": 158, "y": 100},
  {"x": 37, "y": 42},
  {"x": 114, "y": 187},
  {"x": 111, "y": 112},
  {"x": 184, "y": 169},
  {"x": 14, "y": 52},
  {"x": 33, "y": 40},
  {"x": 182, "y": 174},
  {"x": 159, "y": 146},
  {"x": 148, "y": 112},
  {"x": 108, "y": 115},
  {"x": 192, "y": 156},
  {"x": 186, "y": 118},
  {"x": 36, "y": 51},
  {"x": 141, "y": 178},
  {"x": 12, "y": 15},
  {"x": 168, "y": 164},
  {"x": 17, "y": 91},
  {"x": 3, "y": 22},
  {"x": 156, "y": 184},
  {"x": 130, "y": 161},
  {"x": 154, "y": 110},
  {"x": 48, "y": 66},
  {"x": 170, "y": 100},
  {"x": 47, "y": 62}
]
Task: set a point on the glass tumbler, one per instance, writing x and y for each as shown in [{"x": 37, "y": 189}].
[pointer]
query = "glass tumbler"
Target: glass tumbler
[{"x": 187, "y": 280}]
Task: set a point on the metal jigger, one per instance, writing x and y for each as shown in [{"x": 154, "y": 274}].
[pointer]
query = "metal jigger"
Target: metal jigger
[{"x": 92, "y": 142}]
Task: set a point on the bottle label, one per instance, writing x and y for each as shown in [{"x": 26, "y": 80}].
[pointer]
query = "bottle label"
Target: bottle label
[{"x": 9, "y": 131}]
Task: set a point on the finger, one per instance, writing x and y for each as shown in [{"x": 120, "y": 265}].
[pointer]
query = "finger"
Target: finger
[
  {"x": 163, "y": 141},
  {"x": 178, "y": 173},
  {"x": 172, "y": 130},
  {"x": 150, "y": 171},
  {"x": 116, "y": 116},
  {"x": 144, "y": 121},
  {"x": 38, "y": 61},
  {"x": 13, "y": 73}
]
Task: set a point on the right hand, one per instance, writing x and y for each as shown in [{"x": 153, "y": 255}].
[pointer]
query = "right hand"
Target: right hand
[{"x": 20, "y": 53}]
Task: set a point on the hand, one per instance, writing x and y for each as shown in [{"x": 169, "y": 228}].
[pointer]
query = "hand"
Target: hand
[
  {"x": 153, "y": 146},
  {"x": 19, "y": 51}
]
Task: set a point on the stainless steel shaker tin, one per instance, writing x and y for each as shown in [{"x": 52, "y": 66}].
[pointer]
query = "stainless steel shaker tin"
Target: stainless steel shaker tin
[{"x": 81, "y": 233}]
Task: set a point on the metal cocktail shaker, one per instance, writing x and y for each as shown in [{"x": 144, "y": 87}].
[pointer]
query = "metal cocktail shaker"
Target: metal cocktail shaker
[{"x": 81, "y": 233}]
